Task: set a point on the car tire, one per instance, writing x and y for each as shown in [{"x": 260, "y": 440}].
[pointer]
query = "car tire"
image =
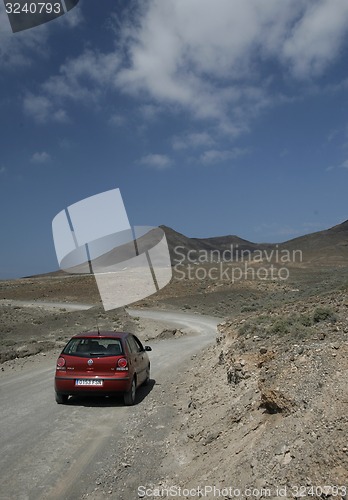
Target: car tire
[
  {"x": 61, "y": 399},
  {"x": 129, "y": 397}
]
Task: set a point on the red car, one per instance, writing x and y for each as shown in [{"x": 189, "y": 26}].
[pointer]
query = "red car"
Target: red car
[{"x": 102, "y": 363}]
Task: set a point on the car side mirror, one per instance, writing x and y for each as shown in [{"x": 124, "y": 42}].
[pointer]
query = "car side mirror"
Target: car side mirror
[{"x": 148, "y": 348}]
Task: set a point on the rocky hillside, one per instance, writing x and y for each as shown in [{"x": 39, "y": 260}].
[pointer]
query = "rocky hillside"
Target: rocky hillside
[{"x": 267, "y": 406}]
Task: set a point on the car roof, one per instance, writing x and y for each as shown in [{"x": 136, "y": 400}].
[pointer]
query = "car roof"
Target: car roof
[{"x": 98, "y": 335}]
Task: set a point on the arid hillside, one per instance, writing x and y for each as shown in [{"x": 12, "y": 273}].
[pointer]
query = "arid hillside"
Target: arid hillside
[
  {"x": 266, "y": 408},
  {"x": 328, "y": 247}
]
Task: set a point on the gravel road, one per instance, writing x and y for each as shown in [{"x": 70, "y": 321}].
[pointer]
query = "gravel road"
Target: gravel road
[{"x": 52, "y": 451}]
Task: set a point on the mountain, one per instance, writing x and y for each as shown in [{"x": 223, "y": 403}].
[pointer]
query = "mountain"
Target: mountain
[
  {"x": 222, "y": 243},
  {"x": 323, "y": 247},
  {"x": 328, "y": 247}
]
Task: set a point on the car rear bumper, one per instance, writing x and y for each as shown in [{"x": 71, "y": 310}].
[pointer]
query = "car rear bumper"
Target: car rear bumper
[{"x": 67, "y": 385}]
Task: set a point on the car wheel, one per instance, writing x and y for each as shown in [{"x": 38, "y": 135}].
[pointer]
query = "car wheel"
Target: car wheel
[
  {"x": 147, "y": 379},
  {"x": 61, "y": 399},
  {"x": 129, "y": 397}
]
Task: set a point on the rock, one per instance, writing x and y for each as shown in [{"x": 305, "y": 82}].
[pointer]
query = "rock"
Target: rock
[
  {"x": 168, "y": 333},
  {"x": 281, "y": 450},
  {"x": 275, "y": 402},
  {"x": 192, "y": 404},
  {"x": 212, "y": 436},
  {"x": 234, "y": 375}
]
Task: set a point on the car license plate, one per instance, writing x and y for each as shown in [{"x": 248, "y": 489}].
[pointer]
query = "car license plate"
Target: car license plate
[{"x": 89, "y": 382}]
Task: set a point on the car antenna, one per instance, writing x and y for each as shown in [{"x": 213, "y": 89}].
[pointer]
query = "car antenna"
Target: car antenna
[{"x": 98, "y": 328}]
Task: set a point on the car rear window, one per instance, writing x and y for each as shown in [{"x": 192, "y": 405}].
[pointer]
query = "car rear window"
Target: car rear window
[{"x": 93, "y": 347}]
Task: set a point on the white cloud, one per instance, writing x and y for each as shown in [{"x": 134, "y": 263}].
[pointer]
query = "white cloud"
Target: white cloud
[
  {"x": 42, "y": 157},
  {"x": 149, "y": 112},
  {"x": 38, "y": 106},
  {"x": 332, "y": 135},
  {"x": 42, "y": 109},
  {"x": 192, "y": 140},
  {"x": 73, "y": 18},
  {"x": 84, "y": 77},
  {"x": 65, "y": 144},
  {"x": 117, "y": 120},
  {"x": 60, "y": 116},
  {"x": 81, "y": 79},
  {"x": 316, "y": 37},
  {"x": 217, "y": 156},
  {"x": 208, "y": 59},
  {"x": 213, "y": 67},
  {"x": 158, "y": 161},
  {"x": 344, "y": 164}
]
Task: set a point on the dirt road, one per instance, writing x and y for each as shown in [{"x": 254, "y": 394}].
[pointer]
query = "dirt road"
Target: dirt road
[{"x": 49, "y": 451}]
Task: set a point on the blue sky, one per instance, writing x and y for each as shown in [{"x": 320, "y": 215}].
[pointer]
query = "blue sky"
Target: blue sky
[{"x": 212, "y": 117}]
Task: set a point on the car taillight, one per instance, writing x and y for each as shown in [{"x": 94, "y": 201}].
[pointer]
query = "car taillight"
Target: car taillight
[
  {"x": 61, "y": 364},
  {"x": 122, "y": 364}
]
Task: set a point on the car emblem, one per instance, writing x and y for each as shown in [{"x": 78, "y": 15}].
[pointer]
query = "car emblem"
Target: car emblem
[{"x": 90, "y": 362}]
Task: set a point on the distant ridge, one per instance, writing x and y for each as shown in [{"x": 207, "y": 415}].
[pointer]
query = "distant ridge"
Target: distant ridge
[{"x": 329, "y": 246}]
